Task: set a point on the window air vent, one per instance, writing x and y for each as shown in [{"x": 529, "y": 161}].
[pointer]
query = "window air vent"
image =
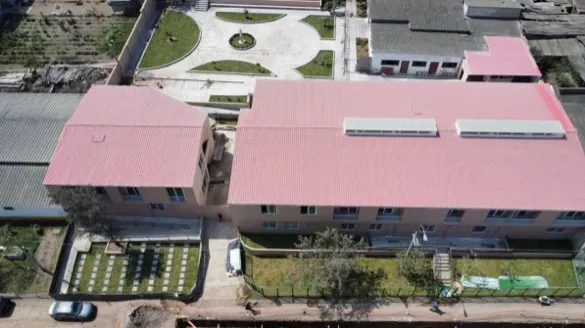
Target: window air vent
[
  {"x": 528, "y": 129},
  {"x": 378, "y": 126}
]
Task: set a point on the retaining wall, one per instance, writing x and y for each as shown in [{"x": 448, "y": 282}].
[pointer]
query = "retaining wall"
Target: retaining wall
[{"x": 299, "y": 4}]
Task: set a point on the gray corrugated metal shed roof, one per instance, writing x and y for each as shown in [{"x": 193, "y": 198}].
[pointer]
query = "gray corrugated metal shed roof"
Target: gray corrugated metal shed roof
[
  {"x": 574, "y": 105},
  {"x": 428, "y": 15},
  {"x": 399, "y": 39},
  {"x": 22, "y": 186},
  {"x": 493, "y": 4},
  {"x": 30, "y": 124}
]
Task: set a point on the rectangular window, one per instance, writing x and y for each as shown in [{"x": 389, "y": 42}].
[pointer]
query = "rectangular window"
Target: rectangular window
[
  {"x": 428, "y": 228},
  {"x": 8, "y": 208},
  {"x": 101, "y": 191},
  {"x": 205, "y": 182},
  {"x": 478, "y": 229},
  {"x": 201, "y": 161},
  {"x": 157, "y": 207},
  {"x": 454, "y": 213},
  {"x": 130, "y": 193},
  {"x": 525, "y": 214},
  {"x": 387, "y": 211},
  {"x": 390, "y": 62},
  {"x": 291, "y": 226},
  {"x": 449, "y": 65},
  {"x": 204, "y": 147},
  {"x": 419, "y": 64},
  {"x": 572, "y": 215},
  {"x": 268, "y": 209},
  {"x": 347, "y": 227},
  {"x": 346, "y": 211},
  {"x": 498, "y": 214},
  {"x": 269, "y": 225},
  {"x": 308, "y": 210},
  {"x": 555, "y": 230},
  {"x": 375, "y": 227},
  {"x": 176, "y": 195}
]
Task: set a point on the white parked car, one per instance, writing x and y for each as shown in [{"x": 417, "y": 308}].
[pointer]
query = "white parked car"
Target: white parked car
[{"x": 73, "y": 311}]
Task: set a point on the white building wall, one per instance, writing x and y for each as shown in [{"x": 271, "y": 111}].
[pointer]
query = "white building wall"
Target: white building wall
[{"x": 378, "y": 57}]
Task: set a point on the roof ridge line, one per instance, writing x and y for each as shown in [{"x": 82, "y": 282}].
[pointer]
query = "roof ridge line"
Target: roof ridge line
[{"x": 134, "y": 126}]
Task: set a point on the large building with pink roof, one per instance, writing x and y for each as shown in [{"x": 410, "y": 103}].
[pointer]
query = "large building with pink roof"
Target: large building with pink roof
[
  {"x": 144, "y": 152},
  {"x": 455, "y": 158}
]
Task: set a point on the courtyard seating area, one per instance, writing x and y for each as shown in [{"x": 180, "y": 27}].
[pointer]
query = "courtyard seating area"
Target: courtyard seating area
[{"x": 143, "y": 268}]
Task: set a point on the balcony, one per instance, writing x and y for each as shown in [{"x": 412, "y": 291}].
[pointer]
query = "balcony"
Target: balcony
[
  {"x": 488, "y": 220},
  {"x": 388, "y": 218},
  {"x": 567, "y": 222},
  {"x": 521, "y": 221},
  {"x": 345, "y": 217},
  {"x": 452, "y": 219}
]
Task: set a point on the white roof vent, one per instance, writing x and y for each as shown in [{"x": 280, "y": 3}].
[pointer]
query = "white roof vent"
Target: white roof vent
[
  {"x": 529, "y": 129},
  {"x": 379, "y": 126}
]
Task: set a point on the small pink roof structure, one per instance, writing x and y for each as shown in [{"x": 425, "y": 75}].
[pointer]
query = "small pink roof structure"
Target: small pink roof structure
[
  {"x": 507, "y": 55},
  {"x": 128, "y": 136},
  {"x": 292, "y": 149}
]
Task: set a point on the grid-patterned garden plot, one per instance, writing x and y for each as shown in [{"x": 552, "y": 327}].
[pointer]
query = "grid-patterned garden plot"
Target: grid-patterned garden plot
[{"x": 145, "y": 268}]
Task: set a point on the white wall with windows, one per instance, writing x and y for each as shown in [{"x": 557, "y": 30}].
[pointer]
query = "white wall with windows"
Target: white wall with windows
[{"x": 416, "y": 64}]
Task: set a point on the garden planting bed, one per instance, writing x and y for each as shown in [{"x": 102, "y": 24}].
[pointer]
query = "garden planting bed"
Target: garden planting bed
[{"x": 34, "y": 40}]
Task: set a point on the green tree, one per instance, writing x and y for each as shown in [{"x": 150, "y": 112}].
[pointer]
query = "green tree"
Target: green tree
[
  {"x": 417, "y": 269},
  {"x": 328, "y": 260},
  {"x": 84, "y": 208}
]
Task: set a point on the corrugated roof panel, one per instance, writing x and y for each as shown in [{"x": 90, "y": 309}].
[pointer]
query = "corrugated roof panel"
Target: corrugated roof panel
[
  {"x": 22, "y": 186},
  {"x": 510, "y": 128},
  {"x": 389, "y": 126}
]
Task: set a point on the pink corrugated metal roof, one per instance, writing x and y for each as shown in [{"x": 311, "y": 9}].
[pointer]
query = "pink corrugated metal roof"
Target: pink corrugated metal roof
[
  {"x": 128, "y": 136},
  {"x": 291, "y": 149},
  {"x": 506, "y": 56}
]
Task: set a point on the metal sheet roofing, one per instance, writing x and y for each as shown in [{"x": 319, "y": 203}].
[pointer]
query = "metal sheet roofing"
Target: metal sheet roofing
[
  {"x": 128, "y": 136},
  {"x": 30, "y": 124},
  {"x": 505, "y": 56},
  {"x": 22, "y": 186},
  {"x": 292, "y": 151}
]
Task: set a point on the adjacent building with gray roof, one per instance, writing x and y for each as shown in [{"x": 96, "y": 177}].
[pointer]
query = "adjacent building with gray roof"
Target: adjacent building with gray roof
[
  {"x": 30, "y": 126},
  {"x": 429, "y": 37}
]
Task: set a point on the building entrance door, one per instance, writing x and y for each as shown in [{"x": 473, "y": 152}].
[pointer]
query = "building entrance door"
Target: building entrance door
[
  {"x": 404, "y": 66},
  {"x": 433, "y": 68}
]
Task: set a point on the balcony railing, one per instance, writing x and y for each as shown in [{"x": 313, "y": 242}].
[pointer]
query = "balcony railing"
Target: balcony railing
[
  {"x": 495, "y": 220},
  {"x": 565, "y": 222},
  {"x": 345, "y": 217},
  {"x": 521, "y": 221},
  {"x": 452, "y": 219},
  {"x": 132, "y": 198}
]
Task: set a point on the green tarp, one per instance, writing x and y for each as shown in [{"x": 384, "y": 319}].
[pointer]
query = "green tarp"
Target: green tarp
[{"x": 504, "y": 282}]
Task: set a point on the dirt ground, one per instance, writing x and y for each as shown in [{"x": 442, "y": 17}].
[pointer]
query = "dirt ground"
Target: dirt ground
[
  {"x": 220, "y": 172},
  {"x": 47, "y": 253},
  {"x": 46, "y": 7}
]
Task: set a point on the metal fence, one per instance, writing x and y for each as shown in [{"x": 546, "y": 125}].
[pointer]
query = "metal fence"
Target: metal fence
[{"x": 392, "y": 291}]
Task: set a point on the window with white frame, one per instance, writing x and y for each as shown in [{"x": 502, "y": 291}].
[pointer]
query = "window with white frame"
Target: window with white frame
[
  {"x": 376, "y": 227},
  {"x": 419, "y": 64},
  {"x": 572, "y": 215},
  {"x": 390, "y": 62},
  {"x": 268, "y": 209},
  {"x": 346, "y": 211},
  {"x": 308, "y": 210},
  {"x": 449, "y": 65},
  {"x": 291, "y": 225},
  {"x": 347, "y": 227},
  {"x": 555, "y": 230},
  {"x": 269, "y": 225},
  {"x": 205, "y": 182},
  {"x": 455, "y": 213},
  {"x": 525, "y": 214},
  {"x": 157, "y": 207},
  {"x": 498, "y": 214},
  {"x": 479, "y": 229},
  {"x": 428, "y": 228},
  {"x": 130, "y": 193},
  {"x": 388, "y": 211},
  {"x": 176, "y": 195}
]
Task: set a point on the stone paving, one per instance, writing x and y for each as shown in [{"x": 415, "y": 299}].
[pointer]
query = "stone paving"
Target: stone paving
[{"x": 146, "y": 268}]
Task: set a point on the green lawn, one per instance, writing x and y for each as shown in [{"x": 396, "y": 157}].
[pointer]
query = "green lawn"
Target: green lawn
[
  {"x": 320, "y": 66},
  {"x": 558, "y": 273},
  {"x": 174, "y": 278},
  {"x": 232, "y": 66},
  {"x": 271, "y": 271},
  {"x": 247, "y": 18},
  {"x": 229, "y": 99},
  {"x": 146, "y": 269},
  {"x": 192, "y": 268},
  {"x": 96, "y": 248},
  {"x": 162, "y": 50},
  {"x": 325, "y": 25},
  {"x": 117, "y": 35},
  {"x": 116, "y": 273}
]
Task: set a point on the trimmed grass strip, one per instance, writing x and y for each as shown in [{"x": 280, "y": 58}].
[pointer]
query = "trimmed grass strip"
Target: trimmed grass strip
[
  {"x": 174, "y": 37},
  {"x": 247, "y": 17},
  {"x": 228, "y": 99},
  {"x": 192, "y": 268},
  {"x": 232, "y": 66},
  {"x": 146, "y": 269},
  {"x": 176, "y": 268},
  {"x": 325, "y": 25},
  {"x": 116, "y": 273},
  {"x": 134, "y": 252},
  {"x": 162, "y": 263},
  {"x": 320, "y": 66},
  {"x": 101, "y": 274}
]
